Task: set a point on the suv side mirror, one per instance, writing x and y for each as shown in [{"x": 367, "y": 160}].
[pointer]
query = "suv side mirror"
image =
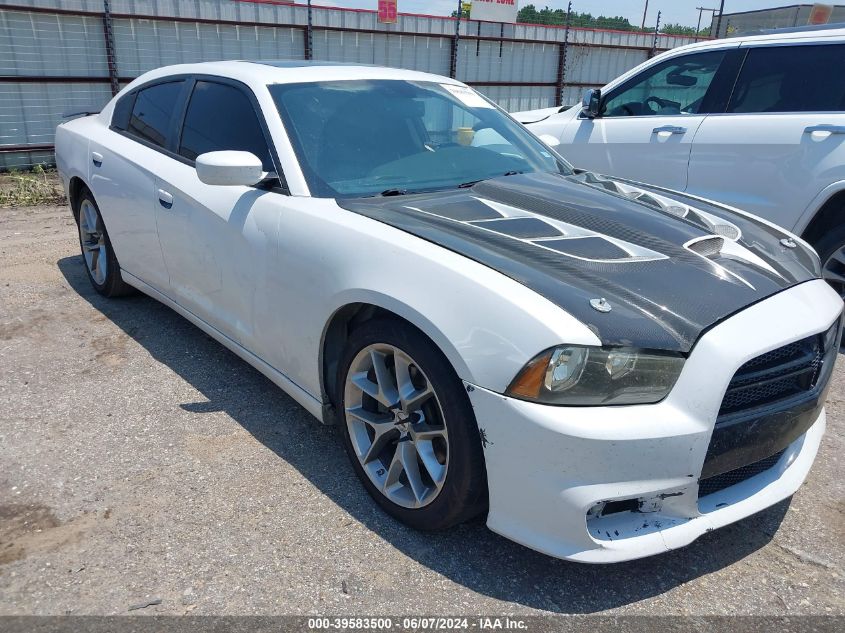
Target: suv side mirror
[
  {"x": 591, "y": 103},
  {"x": 229, "y": 168}
]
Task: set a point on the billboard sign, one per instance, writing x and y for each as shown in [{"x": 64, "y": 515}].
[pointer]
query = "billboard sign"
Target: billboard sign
[
  {"x": 494, "y": 10},
  {"x": 387, "y": 11},
  {"x": 820, "y": 13}
]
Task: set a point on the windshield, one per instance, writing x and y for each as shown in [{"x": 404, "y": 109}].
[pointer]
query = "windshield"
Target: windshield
[{"x": 371, "y": 137}]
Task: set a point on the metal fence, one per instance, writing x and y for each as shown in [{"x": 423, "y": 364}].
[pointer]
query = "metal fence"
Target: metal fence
[{"x": 62, "y": 55}]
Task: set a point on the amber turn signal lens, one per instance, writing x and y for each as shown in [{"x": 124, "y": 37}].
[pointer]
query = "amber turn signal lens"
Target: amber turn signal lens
[{"x": 528, "y": 382}]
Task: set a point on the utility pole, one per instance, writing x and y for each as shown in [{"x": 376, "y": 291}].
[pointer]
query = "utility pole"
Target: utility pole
[
  {"x": 656, "y": 31},
  {"x": 645, "y": 11},
  {"x": 719, "y": 21},
  {"x": 309, "y": 35},
  {"x": 453, "y": 64}
]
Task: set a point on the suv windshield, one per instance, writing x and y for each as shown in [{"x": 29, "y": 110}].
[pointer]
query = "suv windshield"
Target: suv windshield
[{"x": 370, "y": 137}]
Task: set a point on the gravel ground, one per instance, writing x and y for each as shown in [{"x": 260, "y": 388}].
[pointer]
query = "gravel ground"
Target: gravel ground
[{"x": 141, "y": 462}]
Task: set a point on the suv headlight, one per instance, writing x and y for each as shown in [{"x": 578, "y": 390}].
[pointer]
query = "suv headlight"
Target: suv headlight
[{"x": 575, "y": 375}]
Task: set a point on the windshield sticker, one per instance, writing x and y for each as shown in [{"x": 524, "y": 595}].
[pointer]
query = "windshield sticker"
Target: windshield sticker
[{"x": 468, "y": 96}]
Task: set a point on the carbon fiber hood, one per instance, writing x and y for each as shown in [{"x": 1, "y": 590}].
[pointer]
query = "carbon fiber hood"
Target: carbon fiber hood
[{"x": 669, "y": 266}]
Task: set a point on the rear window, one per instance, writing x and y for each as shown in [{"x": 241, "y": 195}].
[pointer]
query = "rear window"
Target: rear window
[
  {"x": 152, "y": 112},
  {"x": 791, "y": 79}
]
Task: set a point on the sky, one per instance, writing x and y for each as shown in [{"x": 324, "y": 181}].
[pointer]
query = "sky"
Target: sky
[{"x": 673, "y": 11}]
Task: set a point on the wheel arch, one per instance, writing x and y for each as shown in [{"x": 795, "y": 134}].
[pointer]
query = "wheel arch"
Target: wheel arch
[
  {"x": 352, "y": 314},
  {"x": 74, "y": 192},
  {"x": 826, "y": 216}
]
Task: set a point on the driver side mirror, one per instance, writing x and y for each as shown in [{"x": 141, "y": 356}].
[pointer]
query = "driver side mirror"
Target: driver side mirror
[
  {"x": 229, "y": 168},
  {"x": 591, "y": 103}
]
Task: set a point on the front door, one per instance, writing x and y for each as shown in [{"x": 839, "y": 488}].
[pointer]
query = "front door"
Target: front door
[
  {"x": 217, "y": 239},
  {"x": 647, "y": 124}
]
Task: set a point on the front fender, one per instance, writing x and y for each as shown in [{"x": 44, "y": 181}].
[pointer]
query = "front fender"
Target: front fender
[{"x": 815, "y": 206}]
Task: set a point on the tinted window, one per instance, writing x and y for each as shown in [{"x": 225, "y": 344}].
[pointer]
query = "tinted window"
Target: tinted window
[
  {"x": 152, "y": 112},
  {"x": 791, "y": 79},
  {"x": 122, "y": 111},
  {"x": 221, "y": 117},
  {"x": 677, "y": 86}
]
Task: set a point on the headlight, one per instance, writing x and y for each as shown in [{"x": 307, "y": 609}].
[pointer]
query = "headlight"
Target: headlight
[{"x": 575, "y": 375}]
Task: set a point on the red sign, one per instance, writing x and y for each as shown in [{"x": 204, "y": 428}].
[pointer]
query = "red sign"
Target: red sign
[
  {"x": 820, "y": 14},
  {"x": 387, "y": 11}
]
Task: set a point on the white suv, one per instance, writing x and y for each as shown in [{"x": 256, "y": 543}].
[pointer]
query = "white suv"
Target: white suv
[{"x": 757, "y": 123}]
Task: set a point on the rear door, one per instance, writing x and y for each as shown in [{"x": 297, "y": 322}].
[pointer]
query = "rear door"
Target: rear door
[
  {"x": 123, "y": 166},
  {"x": 217, "y": 240},
  {"x": 782, "y": 139},
  {"x": 648, "y": 123}
]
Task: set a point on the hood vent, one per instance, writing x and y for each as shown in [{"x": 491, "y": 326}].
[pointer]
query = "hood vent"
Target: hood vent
[
  {"x": 708, "y": 246},
  {"x": 707, "y": 221}
]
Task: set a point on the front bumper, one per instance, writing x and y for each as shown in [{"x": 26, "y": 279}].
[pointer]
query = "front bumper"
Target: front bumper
[{"x": 548, "y": 466}]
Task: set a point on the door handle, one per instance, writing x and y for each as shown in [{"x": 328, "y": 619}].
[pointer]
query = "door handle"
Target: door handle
[
  {"x": 165, "y": 199},
  {"x": 669, "y": 129},
  {"x": 96, "y": 158},
  {"x": 825, "y": 127}
]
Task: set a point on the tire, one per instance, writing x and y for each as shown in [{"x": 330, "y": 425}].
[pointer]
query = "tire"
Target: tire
[
  {"x": 436, "y": 434},
  {"x": 833, "y": 268},
  {"x": 97, "y": 252}
]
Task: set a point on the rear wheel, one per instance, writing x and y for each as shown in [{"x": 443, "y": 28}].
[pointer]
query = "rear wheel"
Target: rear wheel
[
  {"x": 97, "y": 252},
  {"x": 408, "y": 427}
]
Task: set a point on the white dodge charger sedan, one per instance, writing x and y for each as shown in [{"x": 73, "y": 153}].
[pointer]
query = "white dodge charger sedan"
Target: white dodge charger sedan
[{"x": 606, "y": 369}]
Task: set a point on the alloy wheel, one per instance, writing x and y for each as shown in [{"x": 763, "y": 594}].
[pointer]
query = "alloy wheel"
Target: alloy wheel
[
  {"x": 396, "y": 425},
  {"x": 93, "y": 240}
]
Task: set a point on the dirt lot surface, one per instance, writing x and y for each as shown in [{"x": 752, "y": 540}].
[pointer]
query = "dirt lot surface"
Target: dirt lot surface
[{"x": 141, "y": 462}]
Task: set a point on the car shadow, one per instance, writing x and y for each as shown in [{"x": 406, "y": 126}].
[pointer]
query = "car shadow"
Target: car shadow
[{"x": 470, "y": 554}]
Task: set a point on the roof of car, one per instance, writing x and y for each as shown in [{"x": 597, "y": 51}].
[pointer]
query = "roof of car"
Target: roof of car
[
  {"x": 257, "y": 72},
  {"x": 822, "y": 35}
]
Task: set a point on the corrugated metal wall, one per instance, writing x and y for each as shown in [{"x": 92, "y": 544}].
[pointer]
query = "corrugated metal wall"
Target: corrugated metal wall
[{"x": 54, "y": 57}]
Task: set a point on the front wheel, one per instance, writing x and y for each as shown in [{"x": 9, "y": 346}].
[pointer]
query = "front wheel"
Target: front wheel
[
  {"x": 831, "y": 250},
  {"x": 408, "y": 427}
]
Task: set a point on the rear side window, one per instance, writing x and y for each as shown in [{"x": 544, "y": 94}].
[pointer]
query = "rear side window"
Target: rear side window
[
  {"x": 791, "y": 79},
  {"x": 221, "y": 117},
  {"x": 123, "y": 111},
  {"x": 153, "y": 111}
]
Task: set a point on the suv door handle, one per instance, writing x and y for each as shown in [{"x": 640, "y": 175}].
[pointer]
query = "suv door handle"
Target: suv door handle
[
  {"x": 96, "y": 158},
  {"x": 670, "y": 129},
  {"x": 825, "y": 127},
  {"x": 165, "y": 199}
]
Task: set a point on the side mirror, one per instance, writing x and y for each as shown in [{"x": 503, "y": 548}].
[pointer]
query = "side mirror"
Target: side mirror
[
  {"x": 229, "y": 168},
  {"x": 551, "y": 141},
  {"x": 591, "y": 103}
]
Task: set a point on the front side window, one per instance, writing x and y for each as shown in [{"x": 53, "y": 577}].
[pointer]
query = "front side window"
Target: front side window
[
  {"x": 153, "y": 112},
  {"x": 221, "y": 117},
  {"x": 791, "y": 79},
  {"x": 365, "y": 137},
  {"x": 677, "y": 86}
]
